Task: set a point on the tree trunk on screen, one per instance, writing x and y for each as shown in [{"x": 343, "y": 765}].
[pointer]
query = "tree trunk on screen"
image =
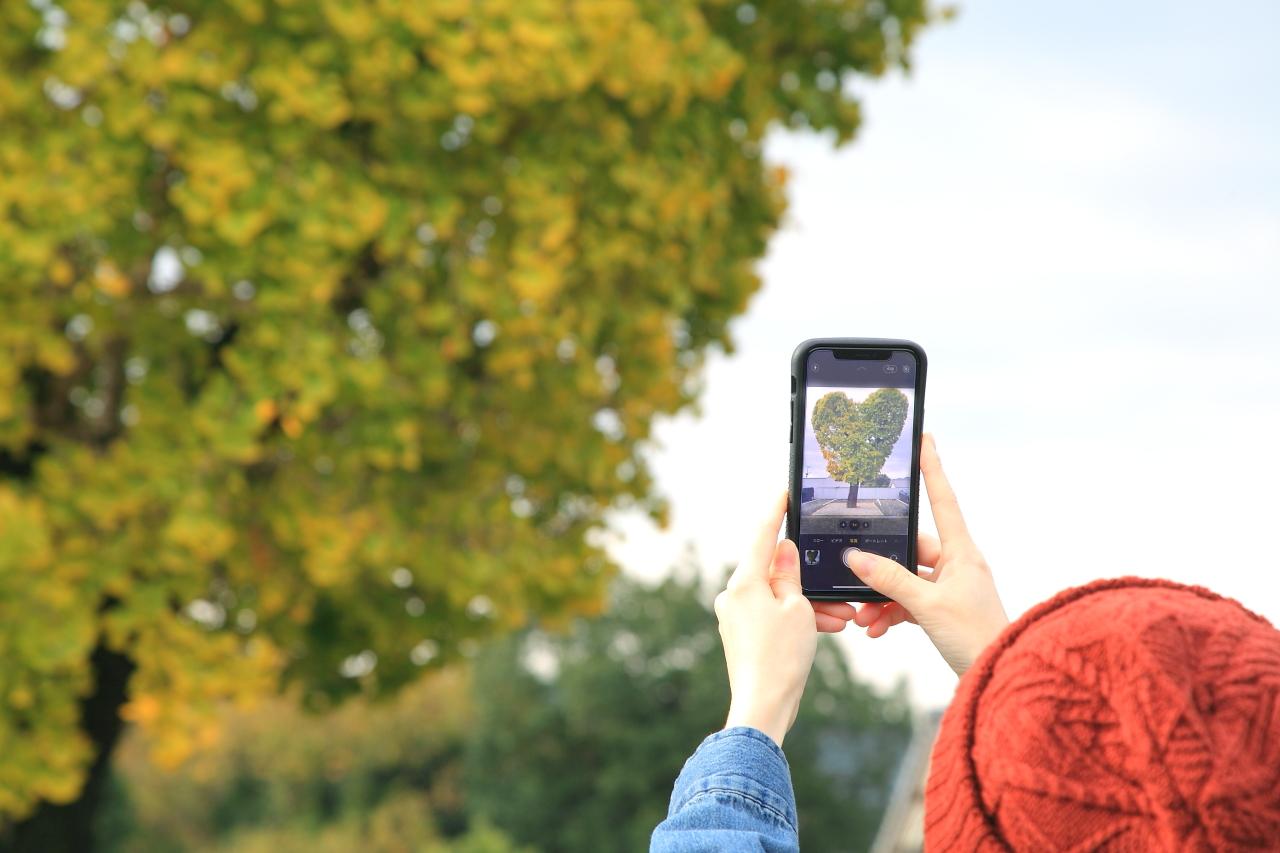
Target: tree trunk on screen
[
  {"x": 53, "y": 828},
  {"x": 853, "y": 495}
]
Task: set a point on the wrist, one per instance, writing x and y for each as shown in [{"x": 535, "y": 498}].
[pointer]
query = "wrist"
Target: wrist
[
  {"x": 773, "y": 722},
  {"x": 979, "y": 643}
]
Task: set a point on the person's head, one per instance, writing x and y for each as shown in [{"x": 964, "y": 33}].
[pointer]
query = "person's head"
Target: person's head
[{"x": 1127, "y": 714}]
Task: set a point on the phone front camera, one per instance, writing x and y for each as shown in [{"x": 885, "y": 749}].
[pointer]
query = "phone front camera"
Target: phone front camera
[{"x": 815, "y": 368}]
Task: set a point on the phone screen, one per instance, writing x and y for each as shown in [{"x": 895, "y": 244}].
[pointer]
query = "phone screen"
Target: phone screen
[{"x": 856, "y": 477}]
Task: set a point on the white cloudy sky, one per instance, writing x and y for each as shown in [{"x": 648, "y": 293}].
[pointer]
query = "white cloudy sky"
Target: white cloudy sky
[
  {"x": 1075, "y": 209},
  {"x": 898, "y": 463}
]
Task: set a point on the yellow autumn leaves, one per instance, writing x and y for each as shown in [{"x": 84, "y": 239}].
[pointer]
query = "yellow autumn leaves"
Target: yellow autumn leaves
[{"x": 433, "y": 271}]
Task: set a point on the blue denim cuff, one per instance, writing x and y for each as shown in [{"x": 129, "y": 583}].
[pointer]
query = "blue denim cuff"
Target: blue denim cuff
[{"x": 741, "y": 761}]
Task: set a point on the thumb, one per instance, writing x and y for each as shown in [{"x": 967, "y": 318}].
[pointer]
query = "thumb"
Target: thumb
[
  {"x": 891, "y": 579},
  {"x": 784, "y": 574}
]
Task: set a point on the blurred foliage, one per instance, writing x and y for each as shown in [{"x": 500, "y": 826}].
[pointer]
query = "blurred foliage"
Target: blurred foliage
[
  {"x": 579, "y": 737},
  {"x": 379, "y": 776},
  {"x": 566, "y": 741},
  {"x": 331, "y": 328}
]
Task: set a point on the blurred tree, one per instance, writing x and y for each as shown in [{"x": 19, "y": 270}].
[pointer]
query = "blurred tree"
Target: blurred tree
[
  {"x": 572, "y": 741},
  {"x": 331, "y": 328},
  {"x": 578, "y": 738},
  {"x": 383, "y": 777},
  {"x": 856, "y": 438}
]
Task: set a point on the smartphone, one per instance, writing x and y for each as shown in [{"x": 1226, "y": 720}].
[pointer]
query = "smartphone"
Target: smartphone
[{"x": 857, "y": 411}]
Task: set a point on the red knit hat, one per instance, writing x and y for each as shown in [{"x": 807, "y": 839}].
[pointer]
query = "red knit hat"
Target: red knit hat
[{"x": 1125, "y": 715}]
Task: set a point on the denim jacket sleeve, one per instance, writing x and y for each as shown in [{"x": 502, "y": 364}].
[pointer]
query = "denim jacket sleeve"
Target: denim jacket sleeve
[{"x": 734, "y": 793}]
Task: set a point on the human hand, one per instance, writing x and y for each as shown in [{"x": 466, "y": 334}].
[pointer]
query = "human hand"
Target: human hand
[
  {"x": 956, "y": 604},
  {"x": 769, "y": 630}
]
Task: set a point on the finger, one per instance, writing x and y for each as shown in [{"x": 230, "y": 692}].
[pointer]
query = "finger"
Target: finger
[
  {"x": 928, "y": 549},
  {"x": 839, "y": 609},
  {"x": 868, "y": 613},
  {"x": 829, "y": 624},
  {"x": 891, "y": 579},
  {"x": 754, "y": 567},
  {"x": 942, "y": 499},
  {"x": 784, "y": 573},
  {"x": 893, "y": 614}
]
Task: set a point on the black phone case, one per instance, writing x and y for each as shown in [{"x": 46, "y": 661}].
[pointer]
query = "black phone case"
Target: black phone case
[{"x": 798, "y": 360}]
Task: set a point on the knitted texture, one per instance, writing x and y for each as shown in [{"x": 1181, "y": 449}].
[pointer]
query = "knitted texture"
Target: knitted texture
[{"x": 1125, "y": 715}]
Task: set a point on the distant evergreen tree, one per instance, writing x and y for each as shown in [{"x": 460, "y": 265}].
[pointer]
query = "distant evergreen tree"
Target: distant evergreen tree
[{"x": 579, "y": 736}]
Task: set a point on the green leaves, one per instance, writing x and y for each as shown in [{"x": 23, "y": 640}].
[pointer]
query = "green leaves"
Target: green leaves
[{"x": 857, "y": 438}]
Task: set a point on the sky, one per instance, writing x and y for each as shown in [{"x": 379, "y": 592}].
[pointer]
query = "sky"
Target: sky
[
  {"x": 1075, "y": 209},
  {"x": 898, "y": 462}
]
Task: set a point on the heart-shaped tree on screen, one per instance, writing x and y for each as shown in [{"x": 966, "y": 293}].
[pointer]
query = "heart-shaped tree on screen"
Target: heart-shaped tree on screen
[{"x": 856, "y": 438}]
